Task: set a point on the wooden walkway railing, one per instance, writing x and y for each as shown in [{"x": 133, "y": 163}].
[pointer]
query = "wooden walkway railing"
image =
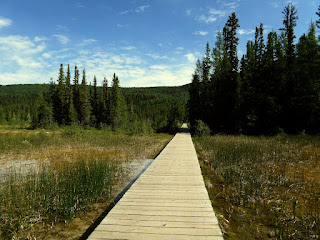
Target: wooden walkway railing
[{"x": 168, "y": 201}]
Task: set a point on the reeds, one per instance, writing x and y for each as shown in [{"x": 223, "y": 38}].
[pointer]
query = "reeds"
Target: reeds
[
  {"x": 261, "y": 184},
  {"x": 54, "y": 194},
  {"x": 77, "y": 168}
]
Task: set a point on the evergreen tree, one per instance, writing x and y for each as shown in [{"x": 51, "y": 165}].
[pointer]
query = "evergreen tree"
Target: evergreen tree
[
  {"x": 219, "y": 56},
  {"x": 94, "y": 102},
  {"x": 217, "y": 53},
  {"x": 308, "y": 82},
  {"x": 84, "y": 103},
  {"x": 199, "y": 69},
  {"x": 205, "y": 85},
  {"x": 76, "y": 93},
  {"x": 289, "y": 104},
  {"x": 318, "y": 21},
  {"x": 231, "y": 41},
  {"x": 117, "y": 105},
  {"x": 58, "y": 98},
  {"x": 194, "y": 100},
  {"x": 44, "y": 117},
  {"x": 230, "y": 83},
  {"x": 68, "y": 105},
  {"x": 289, "y": 22},
  {"x": 105, "y": 102},
  {"x": 248, "y": 89}
]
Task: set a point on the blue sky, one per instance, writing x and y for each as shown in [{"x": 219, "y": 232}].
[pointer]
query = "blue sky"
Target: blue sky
[{"x": 145, "y": 42}]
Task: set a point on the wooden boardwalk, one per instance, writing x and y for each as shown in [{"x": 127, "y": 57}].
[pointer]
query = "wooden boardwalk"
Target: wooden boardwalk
[{"x": 168, "y": 201}]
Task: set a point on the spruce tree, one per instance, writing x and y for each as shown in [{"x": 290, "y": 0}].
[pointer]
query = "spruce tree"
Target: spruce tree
[
  {"x": 308, "y": 87},
  {"x": 231, "y": 40},
  {"x": 205, "y": 85},
  {"x": 117, "y": 105},
  {"x": 44, "y": 116},
  {"x": 106, "y": 101},
  {"x": 58, "y": 98},
  {"x": 194, "y": 100},
  {"x": 290, "y": 22},
  {"x": 248, "y": 89},
  {"x": 289, "y": 114},
  {"x": 68, "y": 105},
  {"x": 84, "y": 102},
  {"x": 230, "y": 78},
  {"x": 219, "y": 57},
  {"x": 94, "y": 102},
  {"x": 217, "y": 53},
  {"x": 318, "y": 21},
  {"x": 76, "y": 93}
]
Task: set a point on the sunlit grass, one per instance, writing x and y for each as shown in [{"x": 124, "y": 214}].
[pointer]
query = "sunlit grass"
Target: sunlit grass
[
  {"x": 264, "y": 187},
  {"x": 72, "y": 169},
  {"x": 54, "y": 194}
]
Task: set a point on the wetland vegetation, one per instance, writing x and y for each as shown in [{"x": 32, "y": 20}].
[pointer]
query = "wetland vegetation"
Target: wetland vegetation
[
  {"x": 73, "y": 171},
  {"x": 263, "y": 187}
]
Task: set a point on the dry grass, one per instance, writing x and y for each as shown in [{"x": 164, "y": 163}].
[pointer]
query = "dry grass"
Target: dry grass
[
  {"x": 264, "y": 187},
  {"x": 89, "y": 163}
]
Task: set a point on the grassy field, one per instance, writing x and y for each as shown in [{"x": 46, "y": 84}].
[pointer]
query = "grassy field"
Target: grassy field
[
  {"x": 53, "y": 182},
  {"x": 263, "y": 187}
]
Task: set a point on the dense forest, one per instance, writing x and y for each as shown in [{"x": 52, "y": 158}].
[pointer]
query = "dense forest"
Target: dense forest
[
  {"x": 132, "y": 110},
  {"x": 274, "y": 88}
]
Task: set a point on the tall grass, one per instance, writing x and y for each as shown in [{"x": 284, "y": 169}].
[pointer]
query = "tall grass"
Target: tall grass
[
  {"x": 77, "y": 168},
  {"x": 261, "y": 187},
  {"x": 54, "y": 194}
]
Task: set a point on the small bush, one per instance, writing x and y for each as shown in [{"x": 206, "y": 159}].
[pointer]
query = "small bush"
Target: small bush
[{"x": 201, "y": 129}]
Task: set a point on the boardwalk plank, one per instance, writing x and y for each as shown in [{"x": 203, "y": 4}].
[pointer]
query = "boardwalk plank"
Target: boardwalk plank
[{"x": 168, "y": 201}]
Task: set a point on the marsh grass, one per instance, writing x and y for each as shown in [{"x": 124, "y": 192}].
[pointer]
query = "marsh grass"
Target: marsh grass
[
  {"x": 77, "y": 169},
  {"x": 264, "y": 187},
  {"x": 55, "y": 195}
]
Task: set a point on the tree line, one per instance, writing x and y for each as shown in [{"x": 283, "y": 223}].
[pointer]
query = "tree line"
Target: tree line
[
  {"x": 65, "y": 103},
  {"x": 139, "y": 110},
  {"x": 275, "y": 86}
]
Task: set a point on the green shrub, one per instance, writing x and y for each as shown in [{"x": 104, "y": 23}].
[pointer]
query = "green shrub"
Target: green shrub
[{"x": 201, "y": 129}]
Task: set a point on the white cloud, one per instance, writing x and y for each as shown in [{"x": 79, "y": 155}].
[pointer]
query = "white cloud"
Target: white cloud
[
  {"x": 27, "y": 62},
  {"x": 188, "y": 12},
  {"x": 136, "y": 10},
  {"x": 62, "y": 39},
  {"x": 176, "y": 75},
  {"x": 128, "y": 48},
  {"x": 191, "y": 58},
  {"x": 23, "y": 45},
  {"x": 156, "y": 56},
  {"x": 24, "y": 63},
  {"x": 282, "y": 3},
  {"x": 206, "y": 19},
  {"x": 5, "y": 22},
  {"x": 232, "y": 5},
  {"x": 141, "y": 8},
  {"x": 180, "y": 48},
  {"x": 211, "y": 16},
  {"x": 40, "y": 39},
  {"x": 46, "y": 55},
  {"x": 201, "y": 33},
  {"x": 87, "y": 42},
  {"x": 159, "y": 67},
  {"x": 217, "y": 13},
  {"x": 246, "y": 31}
]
